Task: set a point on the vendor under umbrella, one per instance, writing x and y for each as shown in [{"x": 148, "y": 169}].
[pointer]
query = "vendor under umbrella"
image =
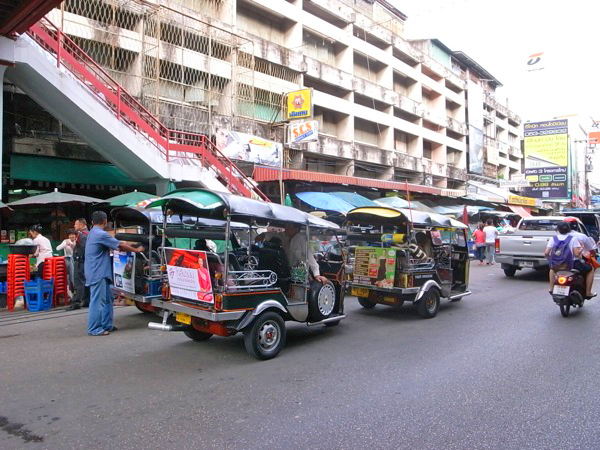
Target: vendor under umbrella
[{"x": 44, "y": 248}]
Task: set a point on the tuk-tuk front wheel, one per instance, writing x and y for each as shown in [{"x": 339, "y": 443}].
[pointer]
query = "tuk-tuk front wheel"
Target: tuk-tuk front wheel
[
  {"x": 196, "y": 335},
  {"x": 429, "y": 304},
  {"x": 265, "y": 338}
]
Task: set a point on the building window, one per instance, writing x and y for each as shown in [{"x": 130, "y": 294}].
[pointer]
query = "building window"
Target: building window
[{"x": 427, "y": 150}]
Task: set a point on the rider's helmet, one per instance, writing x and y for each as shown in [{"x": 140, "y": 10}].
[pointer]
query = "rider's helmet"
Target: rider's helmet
[{"x": 572, "y": 221}]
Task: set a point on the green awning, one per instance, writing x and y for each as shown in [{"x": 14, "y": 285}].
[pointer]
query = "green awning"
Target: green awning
[
  {"x": 57, "y": 170},
  {"x": 200, "y": 199}
]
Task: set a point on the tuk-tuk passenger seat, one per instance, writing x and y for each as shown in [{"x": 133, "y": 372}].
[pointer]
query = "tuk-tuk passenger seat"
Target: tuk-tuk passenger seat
[{"x": 272, "y": 257}]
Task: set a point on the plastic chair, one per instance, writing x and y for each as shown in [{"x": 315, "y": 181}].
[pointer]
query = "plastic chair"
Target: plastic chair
[{"x": 39, "y": 294}]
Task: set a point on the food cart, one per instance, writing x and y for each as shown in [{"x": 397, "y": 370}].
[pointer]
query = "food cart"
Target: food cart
[{"x": 403, "y": 255}]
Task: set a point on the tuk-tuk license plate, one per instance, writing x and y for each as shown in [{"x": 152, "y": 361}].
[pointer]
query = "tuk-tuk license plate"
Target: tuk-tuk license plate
[
  {"x": 360, "y": 292},
  {"x": 183, "y": 318},
  {"x": 525, "y": 263},
  {"x": 561, "y": 290}
]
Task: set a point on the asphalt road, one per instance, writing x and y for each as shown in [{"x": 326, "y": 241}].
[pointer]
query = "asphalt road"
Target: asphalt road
[{"x": 499, "y": 369}]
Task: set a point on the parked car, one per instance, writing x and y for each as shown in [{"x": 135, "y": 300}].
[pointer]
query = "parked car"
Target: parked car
[{"x": 524, "y": 247}]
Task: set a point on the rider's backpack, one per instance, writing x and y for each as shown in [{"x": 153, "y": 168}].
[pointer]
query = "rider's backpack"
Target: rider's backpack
[{"x": 561, "y": 256}]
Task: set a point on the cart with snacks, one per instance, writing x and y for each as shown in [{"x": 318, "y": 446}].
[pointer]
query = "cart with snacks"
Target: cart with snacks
[{"x": 403, "y": 256}]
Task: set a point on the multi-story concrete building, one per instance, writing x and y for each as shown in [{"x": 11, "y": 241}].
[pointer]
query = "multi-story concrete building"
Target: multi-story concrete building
[
  {"x": 389, "y": 108},
  {"x": 500, "y": 127}
]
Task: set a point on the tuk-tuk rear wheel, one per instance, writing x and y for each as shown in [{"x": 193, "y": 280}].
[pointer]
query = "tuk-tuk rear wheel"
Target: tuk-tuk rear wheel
[
  {"x": 139, "y": 306},
  {"x": 196, "y": 335},
  {"x": 429, "y": 304},
  {"x": 265, "y": 338}
]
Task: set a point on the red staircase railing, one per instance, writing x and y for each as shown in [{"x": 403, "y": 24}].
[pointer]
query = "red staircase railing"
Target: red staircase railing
[{"x": 170, "y": 143}]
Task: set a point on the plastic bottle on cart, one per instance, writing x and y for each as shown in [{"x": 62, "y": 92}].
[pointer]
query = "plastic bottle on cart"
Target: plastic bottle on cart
[{"x": 396, "y": 238}]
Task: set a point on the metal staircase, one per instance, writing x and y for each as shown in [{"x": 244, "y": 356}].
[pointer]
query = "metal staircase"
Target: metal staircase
[{"x": 177, "y": 146}]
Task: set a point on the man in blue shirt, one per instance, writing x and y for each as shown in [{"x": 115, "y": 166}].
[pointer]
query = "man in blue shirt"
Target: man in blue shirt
[{"x": 99, "y": 274}]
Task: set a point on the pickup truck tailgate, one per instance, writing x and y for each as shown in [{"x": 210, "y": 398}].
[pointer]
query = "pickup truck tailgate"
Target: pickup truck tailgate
[{"x": 523, "y": 244}]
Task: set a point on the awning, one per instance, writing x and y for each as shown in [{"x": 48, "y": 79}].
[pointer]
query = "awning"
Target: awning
[
  {"x": 455, "y": 193},
  {"x": 57, "y": 170},
  {"x": 325, "y": 201},
  {"x": 493, "y": 193},
  {"x": 354, "y": 199},
  {"x": 523, "y": 211},
  {"x": 263, "y": 174}
]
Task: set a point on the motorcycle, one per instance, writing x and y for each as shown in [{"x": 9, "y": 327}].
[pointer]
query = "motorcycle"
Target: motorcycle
[{"x": 569, "y": 290}]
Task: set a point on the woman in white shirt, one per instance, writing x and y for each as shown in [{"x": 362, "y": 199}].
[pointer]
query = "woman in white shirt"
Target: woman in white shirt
[{"x": 44, "y": 248}]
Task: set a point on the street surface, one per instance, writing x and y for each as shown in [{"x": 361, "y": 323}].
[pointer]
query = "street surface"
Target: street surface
[{"x": 499, "y": 369}]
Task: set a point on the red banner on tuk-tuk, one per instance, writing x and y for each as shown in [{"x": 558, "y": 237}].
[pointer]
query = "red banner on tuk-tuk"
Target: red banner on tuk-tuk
[{"x": 189, "y": 275}]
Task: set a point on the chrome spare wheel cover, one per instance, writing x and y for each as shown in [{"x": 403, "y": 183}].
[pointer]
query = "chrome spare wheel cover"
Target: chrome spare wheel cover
[
  {"x": 326, "y": 299},
  {"x": 269, "y": 335}
]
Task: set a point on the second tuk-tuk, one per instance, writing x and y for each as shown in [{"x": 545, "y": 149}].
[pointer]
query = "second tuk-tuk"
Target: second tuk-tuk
[
  {"x": 137, "y": 277},
  {"x": 407, "y": 256},
  {"x": 234, "y": 277}
]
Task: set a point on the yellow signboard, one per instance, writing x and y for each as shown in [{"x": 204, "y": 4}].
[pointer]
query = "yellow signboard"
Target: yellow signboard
[
  {"x": 299, "y": 104},
  {"x": 550, "y": 150},
  {"x": 518, "y": 200},
  {"x": 547, "y": 159}
]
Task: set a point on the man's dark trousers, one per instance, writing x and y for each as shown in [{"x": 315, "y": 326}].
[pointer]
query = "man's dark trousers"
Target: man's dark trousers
[{"x": 82, "y": 293}]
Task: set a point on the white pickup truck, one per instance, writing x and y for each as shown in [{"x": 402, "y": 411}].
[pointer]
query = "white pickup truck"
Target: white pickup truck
[{"x": 525, "y": 246}]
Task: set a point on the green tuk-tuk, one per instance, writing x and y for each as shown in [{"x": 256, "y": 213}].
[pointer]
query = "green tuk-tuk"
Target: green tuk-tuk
[
  {"x": 137, "y": 277},
  {"x": 221, "y": 281}
]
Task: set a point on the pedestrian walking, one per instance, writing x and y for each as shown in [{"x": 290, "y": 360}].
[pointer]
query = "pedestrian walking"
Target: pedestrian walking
[
  {"x": 479, "y": 238},
  {"x": 490, "y": 233},
  {"x": 67, "y": 246},
  {"x": 44, "y": 248},
  {"x": 82, "y": 293},
  {"x": 99, "y": 274}
]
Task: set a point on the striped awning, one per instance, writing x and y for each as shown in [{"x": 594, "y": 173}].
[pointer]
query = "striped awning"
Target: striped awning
[
  {"x": 456, "y": 193},
  {"x": 263, "y": 174}
]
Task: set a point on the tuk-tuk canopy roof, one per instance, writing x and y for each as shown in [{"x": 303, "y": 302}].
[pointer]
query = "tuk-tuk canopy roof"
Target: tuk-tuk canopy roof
[
  {"x": 134, "y": 215},
  {"x": 216, "y": 205},
  {"x": 140, "y": 216},
  {"x": 375, "y": 214}
]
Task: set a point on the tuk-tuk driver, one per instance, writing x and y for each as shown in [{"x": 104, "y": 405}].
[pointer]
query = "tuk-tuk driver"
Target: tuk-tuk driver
[{"x": 294, "y": 244}]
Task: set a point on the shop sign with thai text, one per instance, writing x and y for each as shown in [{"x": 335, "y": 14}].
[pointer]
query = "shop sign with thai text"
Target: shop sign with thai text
[{"x": 299, "y": 104}]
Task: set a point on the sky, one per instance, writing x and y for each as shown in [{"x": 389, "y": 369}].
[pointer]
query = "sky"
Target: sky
[{"x": 501, "y": 34}]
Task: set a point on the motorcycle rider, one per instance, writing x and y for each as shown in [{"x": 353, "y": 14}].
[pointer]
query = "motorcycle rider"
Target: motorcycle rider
[
  {"x": 588, "y": 249},
  {"x": 572, "y": 248}
]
